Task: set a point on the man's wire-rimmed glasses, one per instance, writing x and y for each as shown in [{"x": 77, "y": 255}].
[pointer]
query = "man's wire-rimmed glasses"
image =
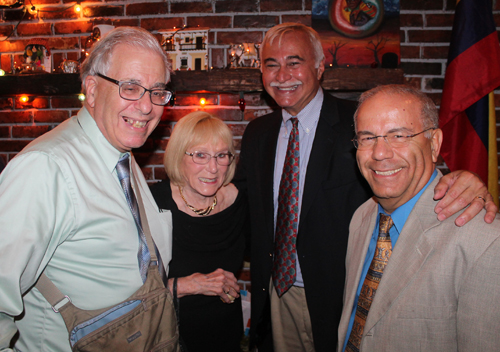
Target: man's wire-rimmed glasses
[
  {"x": 223, "y": 159},
  {"x": 394, "y": 139},
  {"x": 133, "y": 91}
]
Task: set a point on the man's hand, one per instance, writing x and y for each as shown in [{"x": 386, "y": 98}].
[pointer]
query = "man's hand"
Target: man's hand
[{"x": 459, "y": 189}]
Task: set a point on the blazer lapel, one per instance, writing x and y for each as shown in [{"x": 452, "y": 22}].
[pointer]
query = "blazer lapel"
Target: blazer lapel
[
  {"x": 269, "y": 150},
  {"x": 322, "y": 151},
  {"x": 411, "y": 251},
  {"x": 359, "y": 240}
]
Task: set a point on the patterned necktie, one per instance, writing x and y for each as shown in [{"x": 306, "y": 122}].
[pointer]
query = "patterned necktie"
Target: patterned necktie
[
  {"x": 287, "y": 220},
  {"x": 374, "y": 275},
  {"x": 143, "y": 256}
]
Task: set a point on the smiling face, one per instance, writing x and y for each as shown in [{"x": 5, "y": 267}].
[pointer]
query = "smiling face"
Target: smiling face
[
  {"x": 289, "y": 71},
  {"x": 203, "y": 181},
  {"x": 395, "y": 174},
  {"x": 126, "y": 124}
]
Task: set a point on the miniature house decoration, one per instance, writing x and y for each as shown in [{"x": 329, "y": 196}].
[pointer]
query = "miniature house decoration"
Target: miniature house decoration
[{"x": 186, "y": 48}]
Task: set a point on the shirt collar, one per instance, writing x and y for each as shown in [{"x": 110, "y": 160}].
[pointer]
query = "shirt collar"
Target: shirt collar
[
  {"x": 109, "y": 154},
  {"x": 400, "y": 215},
  {"x": 309, "y": 115}
]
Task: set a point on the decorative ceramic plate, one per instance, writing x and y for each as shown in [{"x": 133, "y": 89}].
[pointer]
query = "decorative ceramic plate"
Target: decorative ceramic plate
[{"x": 356, "y": 18}]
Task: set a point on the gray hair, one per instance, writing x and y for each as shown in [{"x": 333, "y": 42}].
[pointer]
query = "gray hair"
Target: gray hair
[
  {"x": 99, "y": 60},
  {"x": 428, "y": 113},
  {"x": 289, "y": 27}
]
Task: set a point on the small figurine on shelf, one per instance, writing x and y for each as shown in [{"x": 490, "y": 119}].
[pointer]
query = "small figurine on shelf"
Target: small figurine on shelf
[
  {"x": 236, "y": 52},
  {"x": 37, "y": 56},
  {"x": 70, "y": 66},
  {"x": 244, "y": 55}
]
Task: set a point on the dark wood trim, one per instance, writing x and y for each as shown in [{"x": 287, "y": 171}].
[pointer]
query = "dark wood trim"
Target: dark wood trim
[
  {"x": 228, "y": 80},
  {"x": 247, "y": 80},
  {"x": 40, "y": 84}
]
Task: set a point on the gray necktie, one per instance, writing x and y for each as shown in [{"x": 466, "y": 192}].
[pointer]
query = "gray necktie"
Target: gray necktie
[{"x": 123, "y": 171}]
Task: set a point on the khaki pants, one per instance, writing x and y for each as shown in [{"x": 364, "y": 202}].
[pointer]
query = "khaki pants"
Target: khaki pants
[{"x": 290, "y": 320}]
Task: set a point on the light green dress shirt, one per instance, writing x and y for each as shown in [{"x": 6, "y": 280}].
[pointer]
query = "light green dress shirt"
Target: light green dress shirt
[{"x": 62, "y": 210}]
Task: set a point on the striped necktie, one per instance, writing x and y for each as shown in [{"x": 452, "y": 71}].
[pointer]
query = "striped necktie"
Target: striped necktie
[{"x": 143, "y": 256}]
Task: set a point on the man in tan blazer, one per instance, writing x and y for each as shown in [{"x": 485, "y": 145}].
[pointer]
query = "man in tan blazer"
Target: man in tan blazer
[{"x": 440, "y": 287}]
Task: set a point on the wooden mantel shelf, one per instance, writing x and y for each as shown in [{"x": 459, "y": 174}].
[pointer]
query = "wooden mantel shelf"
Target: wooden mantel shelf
[
  {"x": 227, "y": 80},
  {"x": 245, "y": 80}
]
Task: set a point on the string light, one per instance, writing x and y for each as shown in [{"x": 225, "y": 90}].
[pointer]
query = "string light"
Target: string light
[
  {"x": 32, "y": 10},
  {"x": 203, "y": 101},
  {"x": 78, "y": 7},
  {"x": 242, "y": 103},
  {"x": 81, "y": 97},
  {"x": 24, "y": 99}
]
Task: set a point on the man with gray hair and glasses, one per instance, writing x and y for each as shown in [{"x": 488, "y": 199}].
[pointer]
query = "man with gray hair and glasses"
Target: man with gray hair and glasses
[
  {"x": 413, "y": 283},
  {"x": 67, "y": 199}
]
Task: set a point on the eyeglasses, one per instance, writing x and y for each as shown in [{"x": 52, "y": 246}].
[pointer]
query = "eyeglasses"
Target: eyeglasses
[
  {"x": 223, "y": 159},
  {"x": 133, "y": 91},
  {"x": 395, "y": 140}
]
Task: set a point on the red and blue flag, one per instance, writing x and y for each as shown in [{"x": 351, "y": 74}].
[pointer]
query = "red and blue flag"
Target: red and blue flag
[{"x": 472, "y": 73}]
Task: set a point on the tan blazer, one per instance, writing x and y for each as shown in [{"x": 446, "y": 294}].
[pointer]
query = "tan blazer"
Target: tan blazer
[{"x": 440, "y": 290}]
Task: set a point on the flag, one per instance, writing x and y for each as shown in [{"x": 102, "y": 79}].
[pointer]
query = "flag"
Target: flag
[{"x": 472, "y": 73}]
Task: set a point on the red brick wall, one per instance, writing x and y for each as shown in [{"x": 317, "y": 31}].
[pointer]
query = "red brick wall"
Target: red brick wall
[{"x": 425, "y": 33}]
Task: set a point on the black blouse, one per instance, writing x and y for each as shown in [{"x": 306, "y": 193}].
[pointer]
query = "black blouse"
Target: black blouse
[{"x": 204, "y": 244}]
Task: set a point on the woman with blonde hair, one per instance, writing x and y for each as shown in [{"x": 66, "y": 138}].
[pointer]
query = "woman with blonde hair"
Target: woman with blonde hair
[{"x": 209, "y": 225}]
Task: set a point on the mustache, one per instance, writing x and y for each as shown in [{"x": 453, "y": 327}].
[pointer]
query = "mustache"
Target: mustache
[{"x": 285, "y": 85}]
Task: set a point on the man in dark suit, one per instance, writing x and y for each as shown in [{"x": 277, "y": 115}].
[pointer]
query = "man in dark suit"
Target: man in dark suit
[{"x": 305, "y": 316}]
